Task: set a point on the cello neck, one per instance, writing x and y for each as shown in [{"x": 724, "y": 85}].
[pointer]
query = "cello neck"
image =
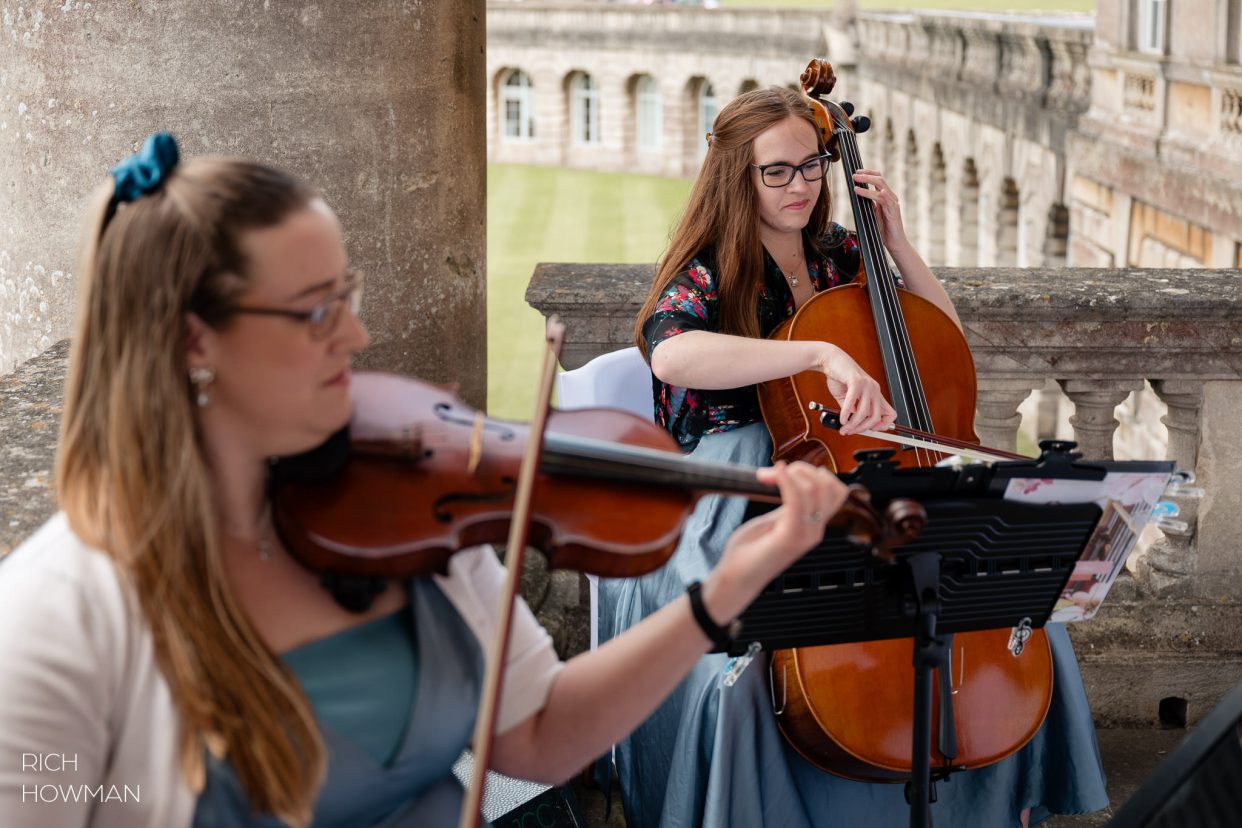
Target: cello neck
[{"x": 901, "y": 372}]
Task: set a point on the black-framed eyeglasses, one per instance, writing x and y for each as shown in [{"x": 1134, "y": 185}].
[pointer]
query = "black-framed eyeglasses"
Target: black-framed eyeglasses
[
  {"x": 779, "y": 175},
  {"x": 322, "y": 319}
]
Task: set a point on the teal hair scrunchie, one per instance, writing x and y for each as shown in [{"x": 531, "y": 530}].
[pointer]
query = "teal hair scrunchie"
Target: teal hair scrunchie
[{"x": 145, "y": 170}]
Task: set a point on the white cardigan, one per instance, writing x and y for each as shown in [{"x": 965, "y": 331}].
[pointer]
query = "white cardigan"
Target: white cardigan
[{"x": 85, "y": 713}]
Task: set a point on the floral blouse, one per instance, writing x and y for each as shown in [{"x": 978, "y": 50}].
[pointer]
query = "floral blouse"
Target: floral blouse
[{"x": 689, "y": 303}]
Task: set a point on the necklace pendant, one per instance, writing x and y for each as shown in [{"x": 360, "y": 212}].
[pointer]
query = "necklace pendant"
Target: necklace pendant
[{"x": 793, "y": 281}]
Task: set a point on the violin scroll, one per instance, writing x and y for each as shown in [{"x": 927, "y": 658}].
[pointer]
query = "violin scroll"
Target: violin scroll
[{"x": 901, "y": 523}]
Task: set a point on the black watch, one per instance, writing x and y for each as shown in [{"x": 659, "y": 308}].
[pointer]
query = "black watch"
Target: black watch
[{"x": 721, "y": 637}]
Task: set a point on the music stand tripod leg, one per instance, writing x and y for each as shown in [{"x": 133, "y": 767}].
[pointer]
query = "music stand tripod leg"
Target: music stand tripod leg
[{"x": 929, "y": 654}]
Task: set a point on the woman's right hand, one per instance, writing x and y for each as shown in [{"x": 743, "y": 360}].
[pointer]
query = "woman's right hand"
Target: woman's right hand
[
  {"x": 863, "y": 407},
  {"x": 764, "y": 546}
]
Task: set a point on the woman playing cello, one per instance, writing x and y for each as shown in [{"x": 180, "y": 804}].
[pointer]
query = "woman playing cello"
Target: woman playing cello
[{"x": 754, "y": 243}]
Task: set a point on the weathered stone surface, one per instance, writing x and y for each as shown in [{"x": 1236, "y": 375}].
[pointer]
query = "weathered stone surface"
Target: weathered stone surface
[
  {"x": 1020, "y": 322},
  {"x": 375, "y": 103},
  {"x": 30, "y": 405}
]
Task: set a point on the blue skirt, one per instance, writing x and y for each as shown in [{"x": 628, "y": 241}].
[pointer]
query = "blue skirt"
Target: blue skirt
[{"x": 712, "y": 755}]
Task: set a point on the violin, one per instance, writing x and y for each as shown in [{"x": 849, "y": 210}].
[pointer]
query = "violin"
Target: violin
[
  {"x": 598, "y": 490},
  {"x": 424, "y": 476},
  {"x": 991, "y": 702}
]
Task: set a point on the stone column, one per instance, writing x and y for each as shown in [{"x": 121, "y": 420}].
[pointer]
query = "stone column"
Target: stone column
[
  {"x": 381, "y": 105},
  {"x": 996, "y": 411},
  {"x": 1094, "y": 421},
  {"x": 1166, "y": 563},
  {"x": 1217, "y": 536}
]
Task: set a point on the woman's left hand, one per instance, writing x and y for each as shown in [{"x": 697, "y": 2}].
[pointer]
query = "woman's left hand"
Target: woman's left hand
[{"x": 887, "y": 207}]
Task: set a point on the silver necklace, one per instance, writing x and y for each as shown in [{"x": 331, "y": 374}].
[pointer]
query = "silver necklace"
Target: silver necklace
[
  {"x": 264, "y": 541},
  {"x": 265, "y": 535},
  {"x": 792, "y": 274}
]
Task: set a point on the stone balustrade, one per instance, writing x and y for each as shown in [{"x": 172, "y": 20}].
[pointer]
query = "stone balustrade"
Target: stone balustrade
[
  {"x": 1171, "y": 630},
  {"x": 1040, "y": 59}
]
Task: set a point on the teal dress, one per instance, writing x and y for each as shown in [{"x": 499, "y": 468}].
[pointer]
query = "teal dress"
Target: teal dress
[{"x": 393, "y": 725}]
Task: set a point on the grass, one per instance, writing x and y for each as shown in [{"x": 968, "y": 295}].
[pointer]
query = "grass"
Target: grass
[
  {"x": 950, "y": 5},
  {"x": 545, "y": 214}
]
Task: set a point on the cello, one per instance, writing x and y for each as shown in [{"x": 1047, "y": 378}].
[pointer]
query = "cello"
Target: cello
[{"x": 848, "y": 707}]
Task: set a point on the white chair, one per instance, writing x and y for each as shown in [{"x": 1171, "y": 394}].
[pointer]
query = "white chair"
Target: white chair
[{"x": 618, "y": 379}]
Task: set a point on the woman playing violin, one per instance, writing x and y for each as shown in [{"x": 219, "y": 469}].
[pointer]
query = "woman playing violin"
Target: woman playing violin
[
  {"x": 157, "y": 636},
  {"x": 754, "y": 243}
]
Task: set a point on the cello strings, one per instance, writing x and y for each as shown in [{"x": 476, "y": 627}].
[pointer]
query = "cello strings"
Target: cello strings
[
  {"x": 885, "y": 290},
  {"x": 917, "y": 396}
]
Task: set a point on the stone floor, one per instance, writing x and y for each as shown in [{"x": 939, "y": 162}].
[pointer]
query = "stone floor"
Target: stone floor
[{"x": 1130, "y": 756}]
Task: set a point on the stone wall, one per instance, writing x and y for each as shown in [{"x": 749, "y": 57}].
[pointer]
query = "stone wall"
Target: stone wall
[
  {"x": 373, "y": 102},
  {"x": 685, "y": 51},
  {"x": 1155, "y": 167}
]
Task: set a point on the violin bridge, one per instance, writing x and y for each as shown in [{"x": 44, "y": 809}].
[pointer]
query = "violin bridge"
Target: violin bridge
[{"x": 476, "y": 444}]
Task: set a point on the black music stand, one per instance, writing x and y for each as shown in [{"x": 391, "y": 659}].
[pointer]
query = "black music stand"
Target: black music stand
[{"x": 981, "y": 562}]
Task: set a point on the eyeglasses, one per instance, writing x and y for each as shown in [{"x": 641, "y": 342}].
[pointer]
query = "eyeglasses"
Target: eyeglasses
[
  {"x": 322, "y": 319},
  {"x": 779, "y": 175}
]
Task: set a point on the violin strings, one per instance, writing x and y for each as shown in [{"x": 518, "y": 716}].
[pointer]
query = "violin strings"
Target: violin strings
[
  {"x": 907, "y": 381},
  {"x": 600, "y": 459}
]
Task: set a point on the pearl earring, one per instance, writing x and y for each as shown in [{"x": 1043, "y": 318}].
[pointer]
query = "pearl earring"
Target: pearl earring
[{"x": 201, "y": 378}]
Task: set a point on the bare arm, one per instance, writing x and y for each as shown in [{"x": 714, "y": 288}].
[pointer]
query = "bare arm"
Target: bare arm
[
  {"x": 604, "y": 694},
  {"x": 710, "y": 361}
]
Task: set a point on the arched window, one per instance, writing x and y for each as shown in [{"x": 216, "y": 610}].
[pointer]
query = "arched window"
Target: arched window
[
  {"x": 517, "y": 102},
  {"x": 650, "y": 114},
  {"x": 707, "y": 114},
  {"x": 584, "y": 109},
  {"x": 971, "y": 227}
]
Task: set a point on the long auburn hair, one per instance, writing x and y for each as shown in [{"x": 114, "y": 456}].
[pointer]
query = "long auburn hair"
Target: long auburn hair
[
  {"x": 133, "y": 479},
  {"x": 722, "y": 213}
]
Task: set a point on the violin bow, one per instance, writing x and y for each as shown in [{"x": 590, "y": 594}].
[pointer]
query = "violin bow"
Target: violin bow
[{"x": 515, "y": 553}]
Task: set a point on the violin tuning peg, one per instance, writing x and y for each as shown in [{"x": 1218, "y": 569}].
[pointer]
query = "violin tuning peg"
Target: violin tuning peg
[
  {"x": 848, "y": 107},
  {"x": 861, "y": 124}
]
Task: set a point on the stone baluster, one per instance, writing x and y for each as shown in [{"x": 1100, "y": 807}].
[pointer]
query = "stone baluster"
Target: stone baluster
[
  {"x": 1094, "y": 420},
  {"x": 996, "y": 411},
  {"x": 1162, "y": 568}
]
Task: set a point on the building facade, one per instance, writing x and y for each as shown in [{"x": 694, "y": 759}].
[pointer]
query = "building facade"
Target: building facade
[{"x": 1014, "y": 140}]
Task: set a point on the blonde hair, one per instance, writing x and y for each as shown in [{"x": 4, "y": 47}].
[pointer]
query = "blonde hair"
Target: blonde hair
[
  {"x": 133, "y": 479},
  {"x": 722, "y": 212}
]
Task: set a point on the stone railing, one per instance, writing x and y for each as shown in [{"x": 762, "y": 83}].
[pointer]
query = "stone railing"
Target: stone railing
[
  {"x": 1099, "y": 334},
  {"x": 608, "y": 28},
  {"x": 1041, "y": 59}
]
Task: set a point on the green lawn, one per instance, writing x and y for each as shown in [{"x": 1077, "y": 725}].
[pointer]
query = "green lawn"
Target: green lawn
[
  {"x": 544, "y": 214},
  {"x": 898, "y": 5}
]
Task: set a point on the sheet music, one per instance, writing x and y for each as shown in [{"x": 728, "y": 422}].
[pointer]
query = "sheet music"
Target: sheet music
[{"x": 1127, "y": 499}]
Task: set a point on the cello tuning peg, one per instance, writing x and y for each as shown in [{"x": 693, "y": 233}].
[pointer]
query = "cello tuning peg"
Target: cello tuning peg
[
  {"x": 848, "y": 107},
  {"x": 861, "y": 124}
]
